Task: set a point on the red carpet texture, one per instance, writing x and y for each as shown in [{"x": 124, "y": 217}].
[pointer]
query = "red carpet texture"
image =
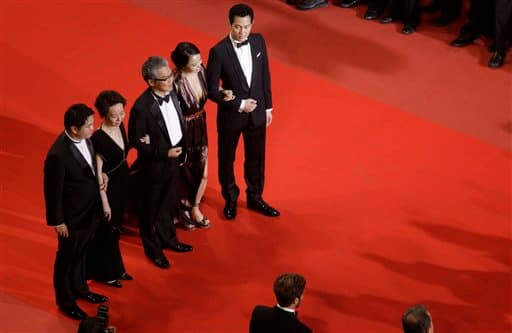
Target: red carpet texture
[{"x": 389, "y": 158}]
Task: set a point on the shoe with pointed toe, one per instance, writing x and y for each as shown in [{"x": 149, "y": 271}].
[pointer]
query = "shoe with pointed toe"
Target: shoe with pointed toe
[
  {"x": 94, "y": 298},
  {"x": 126, "y": 276},
  {"x": 497, "y": 59},
  {"x": 310, "y": 4},
  {"x": 348, "y": 3},
  {"x": 73, "y": 312},
  {"x": 262, "y": 207},
  {"x": 386, "y": 20},
  {"x": 161, "y": 262},
  {"x": 371, "y": 14},
  {"x": 408, "y": 29},
  {"x": 464, "y": 39},
  {"x": 230, "y": 210},
  {"x": 180, "y": 247},
  {"x": 114, "y": 284}
]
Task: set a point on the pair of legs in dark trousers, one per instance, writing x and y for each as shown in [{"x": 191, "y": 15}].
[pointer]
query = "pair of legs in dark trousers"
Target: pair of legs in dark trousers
[
  {"x": 503, "y": 25},
  {"x": 254, "y": 164},
  {"x": 69, "y": 270},
  {"x": 480, "y": 18},
  {"x": 159, "y": 203},
  {"x": 406, "y": 10}
]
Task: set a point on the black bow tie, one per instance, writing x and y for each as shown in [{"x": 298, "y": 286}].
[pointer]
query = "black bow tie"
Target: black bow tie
[
  {"x": 240, "y": 44},
  {"x": 161, "y": 100}
]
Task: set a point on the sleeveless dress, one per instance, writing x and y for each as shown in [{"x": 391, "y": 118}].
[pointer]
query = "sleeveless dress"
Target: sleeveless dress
[
  {"x": 104, "y": 261},
  {"x": 196, "y": 140}
]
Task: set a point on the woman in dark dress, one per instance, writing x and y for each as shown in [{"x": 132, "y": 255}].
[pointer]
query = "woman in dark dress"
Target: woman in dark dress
[
  {"x": 111, "y": 146},
  {"x": 190, "y": 86}
]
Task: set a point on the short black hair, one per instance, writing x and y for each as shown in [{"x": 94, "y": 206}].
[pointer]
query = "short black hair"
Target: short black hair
[
  {"x": 181, "y": 54},
  {"x": 416, "y": 319},
  {"x": 76, "y": 115},
  {"x": 287, "y": 287},
  {"x": 240, "y": 10},
  {"x": 106, "y": 99}
]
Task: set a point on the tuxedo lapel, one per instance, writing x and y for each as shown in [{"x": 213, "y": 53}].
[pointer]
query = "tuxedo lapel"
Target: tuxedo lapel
[
  {"x": 237, "y": 68},
  {"x": 156, "y": 114},
  {"x": 79, "y": 157},
  {"x": 177, "y": 106},
  {"x": 256, "y": 55}
]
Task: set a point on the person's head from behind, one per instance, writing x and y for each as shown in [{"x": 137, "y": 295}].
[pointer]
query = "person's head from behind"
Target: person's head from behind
[
  {"x": 289, "y": 289},
  {"x": 187, "y": 58},
  {"x": 157, "y": 74},
  {"x": 79, "y": 121},
  {"x": 241, "y": 17},
  {"x": 417, "y": 319},
  {"x": 110, "y": 105}
]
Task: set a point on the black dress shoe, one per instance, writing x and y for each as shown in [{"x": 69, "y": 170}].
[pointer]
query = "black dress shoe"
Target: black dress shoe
[
  {"x": 114, "y": 284},
  {"x": 125, "y": 276},
  {"x": 230, "y": 210},
  {"x": 464, "y": 39},
  {"x": 95, "y": 298},
  {"x": 386, "y": 20},
  {"x": 262, "y": 207},
  {"x": 310, "y": 4},
  {"x": 74, "y": 312},
  {"x": 180, "y": 247},
  {"x": 348, "y": 3},
  {"x": 371, "y": 14},
  {"x": 408, "y": 29},
  {"x": 161, "y": 262},
  {"x": 497, "y": 59}
]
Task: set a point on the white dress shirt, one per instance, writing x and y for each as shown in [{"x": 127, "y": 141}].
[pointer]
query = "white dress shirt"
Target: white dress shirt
[
  {"x": 243, "y": 54},
  {"x": 172, "y": 121},
  {"x": 83, "y": 149}
]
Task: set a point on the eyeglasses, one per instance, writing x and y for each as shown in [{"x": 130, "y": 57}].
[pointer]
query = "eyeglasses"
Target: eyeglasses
[{"x": 164, "y": 79}]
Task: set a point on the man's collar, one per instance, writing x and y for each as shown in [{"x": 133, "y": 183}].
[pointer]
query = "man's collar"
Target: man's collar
[
  {"x": 285, "y": 308},
  {"x": 71, "y": 138},
  {"x": 234, "y": 42}
]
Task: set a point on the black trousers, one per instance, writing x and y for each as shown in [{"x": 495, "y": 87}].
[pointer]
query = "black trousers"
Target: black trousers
[
  {"x": 480, "y": 18},
  {"x": 406, "y": 10},
  {"x": 69, "y": 270},
  {"x": 378, "y": 5},
  {"x": 449, "y": 8},
  {"x": 254, "y": 164},
  {"x": 159, "y": 206},
  {"x": 503, "y": 24}
]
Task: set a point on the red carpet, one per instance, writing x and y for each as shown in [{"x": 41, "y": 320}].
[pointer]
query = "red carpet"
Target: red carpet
[{"x": 389, "y": 158}]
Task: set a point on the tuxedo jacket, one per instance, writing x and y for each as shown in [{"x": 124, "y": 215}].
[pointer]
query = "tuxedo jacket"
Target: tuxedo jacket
[
  {"x": 223, "y": 65},
  {"x": 265, "y": 319},
  {"x": 146, "y": 119},
  {"x": 71, "y": 190}
]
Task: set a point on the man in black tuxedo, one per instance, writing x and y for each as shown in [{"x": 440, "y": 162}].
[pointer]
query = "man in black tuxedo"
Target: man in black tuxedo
[
  {"x": 283, "y": 317},
  {"x": 73, "y": 207},
  {"x": 240, "y": 61},
  {"x": 156, "y": 130}
]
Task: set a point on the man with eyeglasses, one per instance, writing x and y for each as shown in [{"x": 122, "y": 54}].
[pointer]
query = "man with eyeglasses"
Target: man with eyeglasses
[
  {"x": 240, "y": 61},
  {"x": 156, "y": 131}
]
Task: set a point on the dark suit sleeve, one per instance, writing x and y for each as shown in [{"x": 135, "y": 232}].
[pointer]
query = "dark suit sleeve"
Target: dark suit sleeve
[
  {"x": 54, "y": 173},
  {"x": 267, "y": 90},
  {"x": 254, "y": 325},
  {"x": 137, "y": 130},
  {"x": 213, "y": 73}
]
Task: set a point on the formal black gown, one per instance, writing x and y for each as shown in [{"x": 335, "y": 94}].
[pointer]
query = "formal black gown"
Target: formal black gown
[
  {"x": 196, "y": 136},
  {"x": 104, "y": 260}
]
